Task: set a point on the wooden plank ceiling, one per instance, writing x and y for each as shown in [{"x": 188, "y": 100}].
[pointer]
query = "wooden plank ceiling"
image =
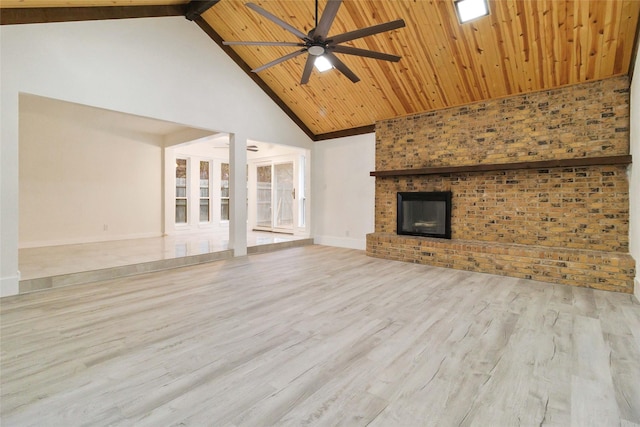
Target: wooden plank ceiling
[{"x": 522, "y": 46}]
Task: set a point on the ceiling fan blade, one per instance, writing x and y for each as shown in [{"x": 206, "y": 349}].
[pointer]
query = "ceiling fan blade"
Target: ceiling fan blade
[
  {"x": 262, "y": 43},
  {"x": 348, "y": 50},
  {"x": 328, "y": 15},
  {"x": 308, "y": 67},
  {"x": 279, "y": 60},
  {"x": 364, "y": 32},
  {"x": 342, "y": 67},
  {"x": 276, "y": 20}
]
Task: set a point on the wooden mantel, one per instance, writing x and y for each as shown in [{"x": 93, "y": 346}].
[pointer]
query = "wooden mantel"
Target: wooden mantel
[{"x": 543, "y": 164}]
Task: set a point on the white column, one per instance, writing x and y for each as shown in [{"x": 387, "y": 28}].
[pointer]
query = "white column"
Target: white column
[
  {"x": 238, "y": 194},
  {"x": 9, "y": 274}
]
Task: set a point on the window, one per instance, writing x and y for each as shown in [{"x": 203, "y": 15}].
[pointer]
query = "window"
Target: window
[
  {"x": 224, "y": 191},
  {"x": 181, "y": 191},
  {"x": 204, "y": 192}
]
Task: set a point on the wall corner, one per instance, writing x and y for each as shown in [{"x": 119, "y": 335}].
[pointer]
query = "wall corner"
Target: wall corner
[{"x": 9, "y": 285}]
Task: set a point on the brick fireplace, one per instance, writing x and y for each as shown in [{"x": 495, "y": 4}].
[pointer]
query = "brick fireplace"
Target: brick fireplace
[{"x": 539, "y": 185}]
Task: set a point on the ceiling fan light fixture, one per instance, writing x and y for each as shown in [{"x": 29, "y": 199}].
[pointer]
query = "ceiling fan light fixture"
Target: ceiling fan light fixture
[
  {"x": 468, "y": 10},
  {"x": 322, "y": 64},
  {"x": 316, "y": 50}
]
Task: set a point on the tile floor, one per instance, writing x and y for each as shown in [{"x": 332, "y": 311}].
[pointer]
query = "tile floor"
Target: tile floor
[{"x": 65, "y": 259}]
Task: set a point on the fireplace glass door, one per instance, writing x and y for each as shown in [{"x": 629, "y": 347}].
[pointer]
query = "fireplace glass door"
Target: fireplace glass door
[{"x": 424, "y": 214}]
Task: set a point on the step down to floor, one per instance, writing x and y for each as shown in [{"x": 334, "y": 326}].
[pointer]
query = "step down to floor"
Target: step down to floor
[
  {"x": 83, "y": 277},
  {"x": 270, "y": 247}
]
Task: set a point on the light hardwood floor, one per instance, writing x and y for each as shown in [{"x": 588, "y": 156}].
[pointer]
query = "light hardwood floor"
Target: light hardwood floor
[{"x": 320, "y": 336}]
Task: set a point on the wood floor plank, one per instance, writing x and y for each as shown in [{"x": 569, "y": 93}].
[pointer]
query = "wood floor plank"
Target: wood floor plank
[{"x": 319, "y": 336}]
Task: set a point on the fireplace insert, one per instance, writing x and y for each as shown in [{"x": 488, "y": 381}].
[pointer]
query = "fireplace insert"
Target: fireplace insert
[{"x": 425, "y": 214}]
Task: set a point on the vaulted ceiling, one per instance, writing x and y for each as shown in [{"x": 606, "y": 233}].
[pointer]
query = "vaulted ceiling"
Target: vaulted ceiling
[{"x": 522, "y": 46}]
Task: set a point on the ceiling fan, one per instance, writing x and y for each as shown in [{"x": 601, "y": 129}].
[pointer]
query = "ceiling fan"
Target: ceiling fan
[
  {"x": 316, "y": 43},
  {"x": 253, "y": 148}
]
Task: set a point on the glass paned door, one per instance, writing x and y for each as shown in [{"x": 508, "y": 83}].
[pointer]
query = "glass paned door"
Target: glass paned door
[
  {"x": 275, "y": 196},
  {"x": 263, "y": 197},
  {"x": 181, "y": 191},
  {"x": 224, "y": 192},
  {"x": 283, "y": 200},
  {"x": 204, "y": 192}
]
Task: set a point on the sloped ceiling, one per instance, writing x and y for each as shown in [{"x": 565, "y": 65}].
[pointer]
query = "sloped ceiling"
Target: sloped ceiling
[{"x": 522, "y": 46}]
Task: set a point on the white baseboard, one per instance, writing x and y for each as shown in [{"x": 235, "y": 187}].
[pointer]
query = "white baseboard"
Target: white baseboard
[
  {"x": 9, "y": 285},
  {"x": 88, "y": 239},
  {"x": 341, "y": 242},
  {"x": 636, "y": 288}
]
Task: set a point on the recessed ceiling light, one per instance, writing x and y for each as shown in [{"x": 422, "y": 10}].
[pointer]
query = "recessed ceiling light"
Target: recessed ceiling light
[
  {"x": 322, "y": 64},
  {"x": 469, "y": 10}
]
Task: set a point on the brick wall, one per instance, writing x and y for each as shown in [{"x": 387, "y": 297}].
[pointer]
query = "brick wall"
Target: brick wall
[
  {"x": 586, "y": 120},
  {"x": 584, "y": 208},
  {"x": 555, "y": 210}
]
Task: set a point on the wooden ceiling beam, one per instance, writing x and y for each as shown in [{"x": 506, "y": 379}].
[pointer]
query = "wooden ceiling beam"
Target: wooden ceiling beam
[
  {"x": 41, "y": 15},
  {"x": 195, "y": 8},
  {"x": 345, "y": 132}
]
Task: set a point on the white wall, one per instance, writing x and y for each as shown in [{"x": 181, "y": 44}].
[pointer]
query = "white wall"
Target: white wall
[
  {"x": 343, "y": 192},
  {"x": 82, "y": 180},
  {"x": 163, "y": 68},
  {"x": 634, "y": 185}
]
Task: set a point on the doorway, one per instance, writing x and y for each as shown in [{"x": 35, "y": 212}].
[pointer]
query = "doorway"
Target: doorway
[{"x": 276, "y": 192}]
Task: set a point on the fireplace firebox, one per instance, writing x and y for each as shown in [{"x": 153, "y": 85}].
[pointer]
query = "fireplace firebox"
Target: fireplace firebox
[{"x": 425, "y": 214}]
